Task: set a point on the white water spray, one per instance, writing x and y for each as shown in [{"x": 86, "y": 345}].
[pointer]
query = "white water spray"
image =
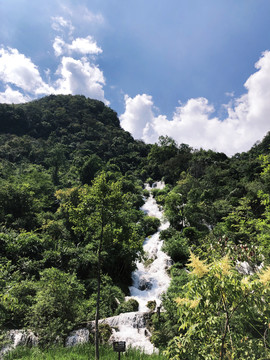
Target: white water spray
[{"x": 150, "y": 281}]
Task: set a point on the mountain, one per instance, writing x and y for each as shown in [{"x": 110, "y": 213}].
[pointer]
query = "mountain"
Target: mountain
[{"x": 70, "y": 128}]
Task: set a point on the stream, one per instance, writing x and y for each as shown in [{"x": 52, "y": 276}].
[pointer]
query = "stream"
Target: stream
[{"x": 150, "y": 281}]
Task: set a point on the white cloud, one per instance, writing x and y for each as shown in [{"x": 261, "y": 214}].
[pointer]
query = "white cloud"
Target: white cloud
[
  {"x": 59, "y": 46},
  {"x": 85, "y": 46},
  {"x": 60, "y": 24},
  {"x": 138, "y": 114},
  {"x": 13, "y": 97},
  {"x": 80, "y": 77},
  {"x": 192, "y": 123},
  {"x": 23, "y": 80},
  {"x": 17, "y": 69}
]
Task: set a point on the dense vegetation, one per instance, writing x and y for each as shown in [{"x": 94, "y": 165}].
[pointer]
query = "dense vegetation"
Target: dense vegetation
[
  {"x": 70, "y": 176},
  {"x": 219, "y": 214}
]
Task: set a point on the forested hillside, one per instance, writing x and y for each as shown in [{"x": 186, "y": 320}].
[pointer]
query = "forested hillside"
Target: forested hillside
[{"x": 69, "y": 173}]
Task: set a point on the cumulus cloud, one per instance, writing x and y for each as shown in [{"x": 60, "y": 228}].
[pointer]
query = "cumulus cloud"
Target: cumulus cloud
[
  {"x": 80, "y": 77},
  {"x": 17, "y": 69},
  {"x": 22, "y": 79},
  {"x": 193, "y": 122},
  {"x": 85, "y": 46},
  {"x": 10, "y": 96},
  {"x": 138, "y": 115}
]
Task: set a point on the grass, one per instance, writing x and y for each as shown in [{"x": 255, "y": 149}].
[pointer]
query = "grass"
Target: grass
[{"x": 79, "y": 352}]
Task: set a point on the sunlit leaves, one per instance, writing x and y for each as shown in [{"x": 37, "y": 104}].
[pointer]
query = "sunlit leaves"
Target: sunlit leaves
[
  {"x": 220, "y": 309},
  {"x": 199, "y": 267}
]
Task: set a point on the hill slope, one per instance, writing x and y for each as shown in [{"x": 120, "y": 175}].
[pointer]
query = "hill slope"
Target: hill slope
[{"x": 70, "y": 128}]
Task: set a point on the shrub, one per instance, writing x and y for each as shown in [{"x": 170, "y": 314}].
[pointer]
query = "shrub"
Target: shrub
[
  {"x": 105, "y": 332},
  {"x": 151, "y": 304},
  {"x": 177, "y": 248},
  {"x": 150, "y": 225},
  {"x": 57, "y": 307},
  {"x": 128, "y": 306}
]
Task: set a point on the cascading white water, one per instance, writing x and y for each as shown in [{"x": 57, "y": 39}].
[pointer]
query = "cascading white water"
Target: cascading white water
[{"x": 150, "y": 280}]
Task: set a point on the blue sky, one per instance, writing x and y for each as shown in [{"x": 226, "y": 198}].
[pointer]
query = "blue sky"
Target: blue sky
[{"x": 198, "y": 71}]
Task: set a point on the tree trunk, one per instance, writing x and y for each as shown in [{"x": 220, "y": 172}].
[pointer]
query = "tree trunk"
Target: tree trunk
[
  {"x": 222, "y": 353},
  {"x": 98, "y": 289},
  {"x": 97, "y": 312}
]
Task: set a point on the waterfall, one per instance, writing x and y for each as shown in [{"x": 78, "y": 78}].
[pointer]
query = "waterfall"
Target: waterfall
[{"x": 150, "y": 281}]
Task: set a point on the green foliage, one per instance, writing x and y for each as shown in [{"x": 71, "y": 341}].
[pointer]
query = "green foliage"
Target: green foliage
[
  {"x": 176, "y": 245},
  {"x": 89, "y": 169},
  {"x": 103, "y": 218},
  {"x": 102, "y": 210},
  {"x": 25, "y": 193},
  {"x": 222, "y": 315},
  {"x": 17, "y": 301},
  {"x": 62, "y": 133},
  {"x": 53, "y": 152},
  {"x": 23, "y": 251},
  {"x": 174, "y": 209},
  {"x": 160, "y": 194},
  {"x": 146, "y": 193},
  {"x": 150, "y": 225},
  {"x": 128, "y": 306},
  {"x": 110, "y": 296},
  {"x": 105, "y": 332},
  {"x": 17, "y": 207},
  {"x": 166, "y": 160},
  {"x": 151, "y": 304},
  {"x": 57, "y": 306},
  {"x": 165, "y": 325}
]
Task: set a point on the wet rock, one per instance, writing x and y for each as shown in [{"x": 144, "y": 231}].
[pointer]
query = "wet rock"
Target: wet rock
[
  {"x": 244, "y": 268},
  {"x": 19, "y": 337},
  {"x": 145, "y": 284},
  {"x": 80, "y": 336}
]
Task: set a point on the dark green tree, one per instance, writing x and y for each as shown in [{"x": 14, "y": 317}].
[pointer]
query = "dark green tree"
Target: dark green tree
[
  {"x": 102, "y": 215},
  {"x": 58, "y": 306}
]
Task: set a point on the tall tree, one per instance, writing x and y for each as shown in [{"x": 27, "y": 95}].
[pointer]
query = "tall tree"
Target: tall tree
[{"x": 103, "y": 216}]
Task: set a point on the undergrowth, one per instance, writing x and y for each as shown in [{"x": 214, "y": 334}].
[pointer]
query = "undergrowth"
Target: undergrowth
[{"x": 79, "y": 352}]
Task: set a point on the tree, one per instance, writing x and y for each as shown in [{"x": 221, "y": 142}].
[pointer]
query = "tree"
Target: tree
[
  {"x": 56, "y": 160},
  {"x": 89, "y": 169},
  {"x": 103, "y": 216},
  {"x": 57, "y": 305}
]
